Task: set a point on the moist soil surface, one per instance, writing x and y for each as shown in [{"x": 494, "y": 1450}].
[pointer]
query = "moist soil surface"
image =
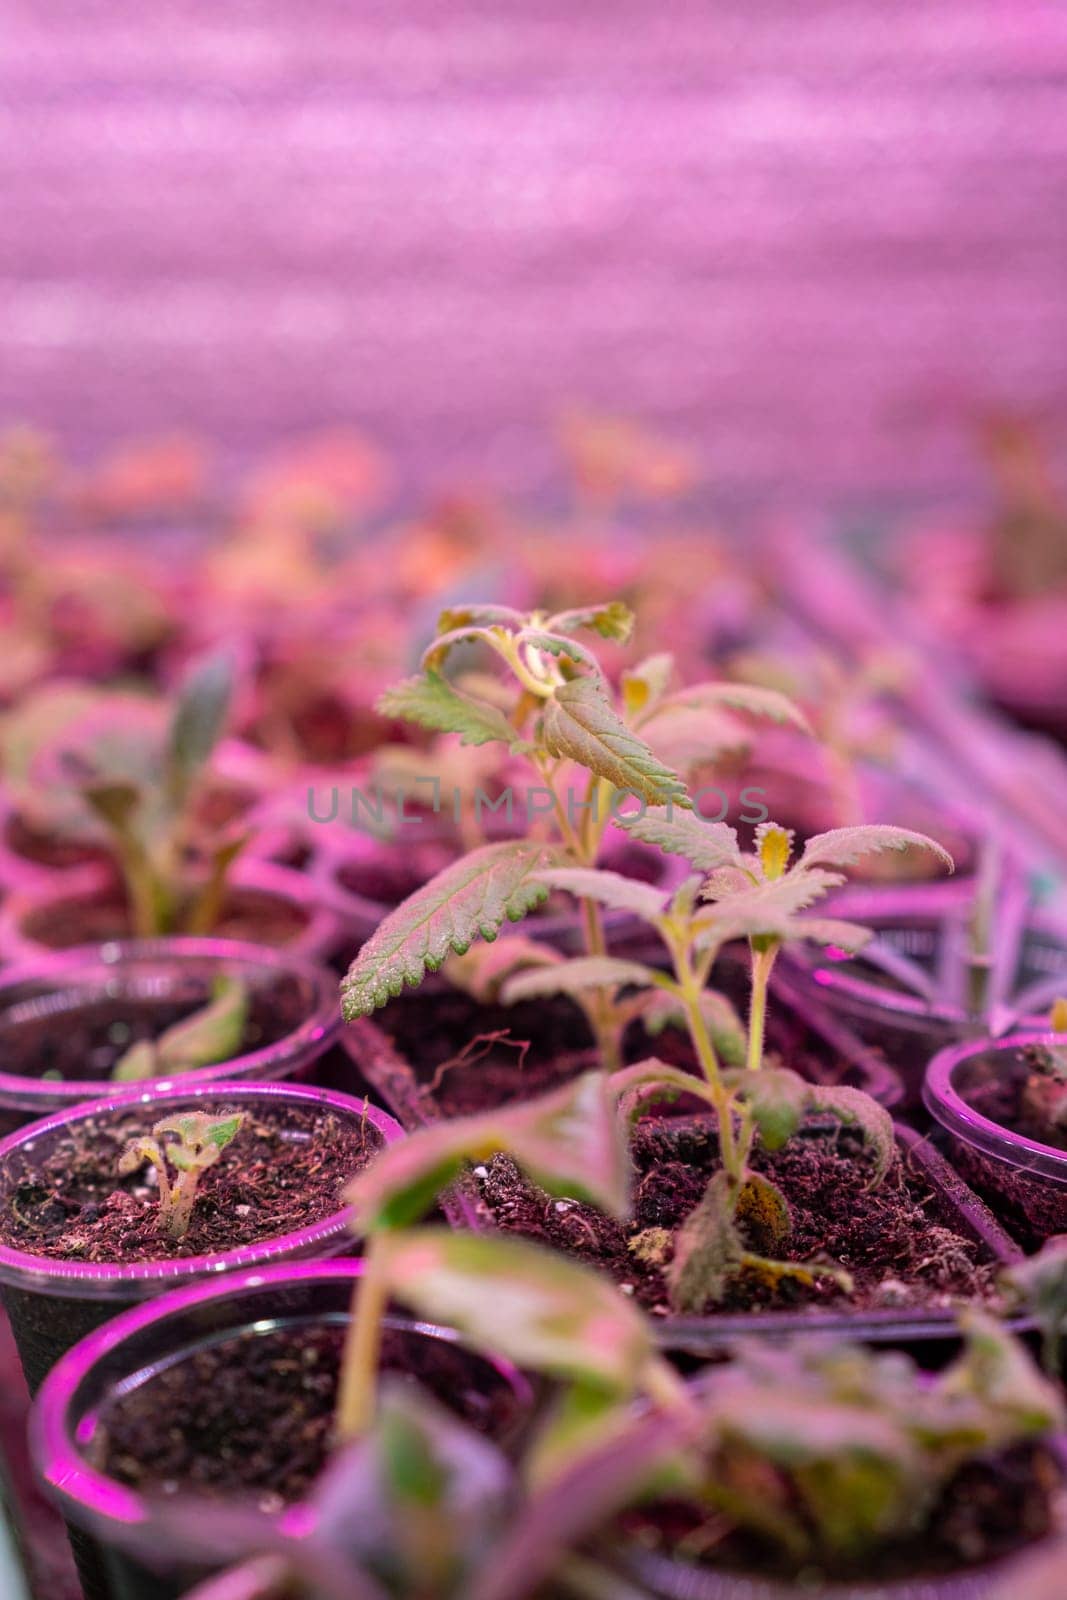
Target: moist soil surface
[
  {"x": 254, "y": 915},
  {"x": 470, "y": 1057},
  {"x": 255, "y": 1413},
  {"x": 286, "y": 1169},
  {"x": 895, "y": 1240},
  {"x": 989, "y": 1509},
  {"x": 86, "y": 1041}
]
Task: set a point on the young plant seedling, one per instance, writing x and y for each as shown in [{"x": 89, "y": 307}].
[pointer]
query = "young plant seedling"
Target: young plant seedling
[
  {"x": 210, "y": 1035},
  {"x": 197, "y": 1142},
  {"x": 827, "y": 1453},
  {"x": 589, "y": 750},
  {"x": 760, "y": 898},
  {"x": 127, "y": 766}
]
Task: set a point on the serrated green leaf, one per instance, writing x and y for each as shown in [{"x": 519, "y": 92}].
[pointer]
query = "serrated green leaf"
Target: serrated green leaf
[
  {"x": 856, "y": 1109},
  {"x": 472, "y": 898},
  {"x": 430, "y": 701},
  {"x": 840, "y": 847},
  {"x": 580, "y": 724},
  {"x": 556, "y": 644},
  {"x": 708, "y": 1249},
  {"x": 705, "y": 845},
  {"x": 612, "y": 620},
  {"x": 575, "y": 977},
  {"x": 569, "y": 1141},
  {"x": 437, "y": 652},
  {"x": 756, "y": 701},
  {"x": 609, "y": 889},
  {"x": 534, "y": 1307}
]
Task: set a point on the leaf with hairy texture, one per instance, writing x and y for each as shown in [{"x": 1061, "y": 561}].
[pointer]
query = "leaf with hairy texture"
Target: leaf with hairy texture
[
  {"x": 557, "y": 644},
  {"x": 609, "y": 889},
  {"x": 998, "y": 1369},
  {"x": 472, "y": 898},
  {"x": 575, "y": 977},
  {"x": 727, "y": 1032},
  {"x": 763, "y": 1212},
  {"x": 569, "y": 1142},
  {"x": 645, "y": 684},
  {"x": 612, "y": 620},
  {"x": 651, "y": 1081},
  {"x": 776, "y": 897},
  {"x": 705, "y": 845},
  {"x": 841, "y": 847},
  {"x": 856, "y": 1109},
  {"x": 708, "y": 1250},
  {"x": 1040, "y": 1284},
  {"x": 200, "y": 714},
  {"x": 777, "y": 1099},
  {"x": 757, "y": 702},
  {"x": 847, "y": 936},
  {"x": 521, "y": 1301},
  {"x": 479, "y": 616},
  {"x": 484, "y": 969},
  {"x": 580, "y": 724},
  {"x": 435, "y": 654},
  {"x": 430, "y": 701}
]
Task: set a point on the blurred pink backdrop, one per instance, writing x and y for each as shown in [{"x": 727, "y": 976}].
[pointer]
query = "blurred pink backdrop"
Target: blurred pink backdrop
[{"x": 808, "y": 238}]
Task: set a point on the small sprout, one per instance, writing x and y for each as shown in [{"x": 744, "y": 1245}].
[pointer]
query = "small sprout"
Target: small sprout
[
  {"x": 199, "y": 1140},
  {"x": 209, "y": 1035}
]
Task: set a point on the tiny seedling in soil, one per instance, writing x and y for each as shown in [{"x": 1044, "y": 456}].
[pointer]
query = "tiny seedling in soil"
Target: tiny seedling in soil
[
  {"x": 132, "y": 771},
  {"x": 196, "y": 1143},
  {"x": 210, "y": 1035}
]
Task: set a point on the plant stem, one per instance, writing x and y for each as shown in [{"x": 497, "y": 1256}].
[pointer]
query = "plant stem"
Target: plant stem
[
  {"x": 762, "y": 962},
  {"x": 359, "y": 1363},
  {"x": 705, "y": 1052}
]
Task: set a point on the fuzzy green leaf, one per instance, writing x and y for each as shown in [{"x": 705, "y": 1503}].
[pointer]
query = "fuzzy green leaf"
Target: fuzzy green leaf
[
  {"x": 472, "y": 898},
  {"x": 574, "y": 977},
  {"x": 705, "y": 845},
  {"x": 708, "y": 1250},
  {"x": 569, "y": 1141},
  {"x": 612, "y": 620},
  {"x": 841, "y": 847},
  {"x": 430, "y": 701},
  {"x": 436, "y": 653},
  {"x": 556, "y": 644},
  {"x": 580, "y": 724},
  {"x": 647, "y": 1082},
  {"x": 478, "y": 616},
  {"x": 856, "y": 1109},
  {"x": 528, "y": 1304},
  {"x": 1040, "y": 1283},
  {"x": 609, "y": 889},
  {"x": 777, "y": 1099},
  {"x": 728, "y": 1035}
]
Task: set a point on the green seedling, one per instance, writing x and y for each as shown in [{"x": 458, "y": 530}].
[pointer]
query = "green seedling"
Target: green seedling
[
  {"x": 100, "y": 764},
  {"x": 197, "y": 1142},
  {"x": 210, "y": 1035}
]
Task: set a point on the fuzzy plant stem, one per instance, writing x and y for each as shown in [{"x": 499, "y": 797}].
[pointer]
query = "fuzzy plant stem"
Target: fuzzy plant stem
[
  {"x": 359, "y": 1364},
  {"x": 689, "y": 989},
  {"x": 762, "y": 962}
]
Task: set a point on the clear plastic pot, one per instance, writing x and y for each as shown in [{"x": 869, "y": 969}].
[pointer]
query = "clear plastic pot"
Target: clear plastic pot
[
  {"x": 51, "y": 1303},
  {"x": 1024, "y": 1180},
  {"x": 266, "y": 903},
  {"x": 115, "y": 1521},
  {"x": 96, "y": 988}
]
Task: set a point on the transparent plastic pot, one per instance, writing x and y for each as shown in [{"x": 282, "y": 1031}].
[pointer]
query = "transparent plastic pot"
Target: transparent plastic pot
[
  {"x": 51, "y": 1303},
  {"x": 98, "y": 986},
  {"x": 1024, "y": 1180},
  {"x": 114, "y": 1524},
  {"x": 90, "y": 901}
]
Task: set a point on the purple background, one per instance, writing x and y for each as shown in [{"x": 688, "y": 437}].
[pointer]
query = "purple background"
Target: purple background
[{"x": 807, "y": 236}]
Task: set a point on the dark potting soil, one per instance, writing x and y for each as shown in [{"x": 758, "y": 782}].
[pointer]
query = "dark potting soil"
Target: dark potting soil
[
  {"x": 287, "y": 1168},
  {"x": 988, "y": 1510},
  {"x": 85, "y": 1042},
  {"x": 255, "y": 1412},
  {"x": 470, "y": 1057},
  {"x": 255, "y": 915},
  {"x": 893, "y": 1239}
]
